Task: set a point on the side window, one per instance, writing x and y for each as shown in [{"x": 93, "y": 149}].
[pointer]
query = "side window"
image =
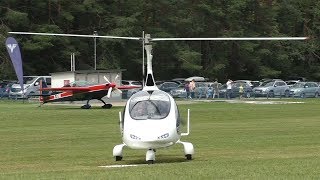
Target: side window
[
  {"x": 37, "y": 83},
  {"x": 124, "y": 83},
  {"x": 48, "y": 81}
]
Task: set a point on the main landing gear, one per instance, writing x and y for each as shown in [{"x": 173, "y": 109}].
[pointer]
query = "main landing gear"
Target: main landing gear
[
  {"x": 105, "y": 106},
  {"x": 151, "y": 153},
  {"x": 86, "y": 106}
]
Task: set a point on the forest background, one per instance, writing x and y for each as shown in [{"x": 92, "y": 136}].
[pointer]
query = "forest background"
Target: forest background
[{"x": 167, "y": 18}]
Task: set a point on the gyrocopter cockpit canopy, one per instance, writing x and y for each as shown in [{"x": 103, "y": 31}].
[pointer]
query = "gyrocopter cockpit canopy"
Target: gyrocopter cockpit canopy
[{"x": 153, "y": 105}]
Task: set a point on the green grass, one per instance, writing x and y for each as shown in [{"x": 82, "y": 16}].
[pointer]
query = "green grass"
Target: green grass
[{"x": 232, "y": 141}]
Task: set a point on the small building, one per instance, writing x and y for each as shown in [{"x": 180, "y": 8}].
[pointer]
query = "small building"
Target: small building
[{"x": 59, "y": 79}]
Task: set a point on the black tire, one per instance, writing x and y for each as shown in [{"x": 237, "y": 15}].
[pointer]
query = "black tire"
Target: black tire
[
  {"x": 286, "y": 94},
  {"x": 316, "y": 95},
  {"x": 150, "y": 161},
  {"x": 189, "y": 156},
  {"x": 118, "y": 158},
  {"x": 271, "y": 94},
  {"x": 86, "y": 106},
  {"x": 302, "y": 95},
  {"x": 107, "y": 106},
  {"x": 248, "y": 95}
]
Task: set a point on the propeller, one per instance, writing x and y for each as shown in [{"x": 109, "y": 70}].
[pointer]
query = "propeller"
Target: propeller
[
  {"x": 109, "y": 92},
  {"x": 110, "y": 89},
  {"x": 105, "y": 78}
]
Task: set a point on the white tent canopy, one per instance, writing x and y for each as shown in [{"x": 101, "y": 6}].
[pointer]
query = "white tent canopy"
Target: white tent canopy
[{"x": 196, "y": 78}]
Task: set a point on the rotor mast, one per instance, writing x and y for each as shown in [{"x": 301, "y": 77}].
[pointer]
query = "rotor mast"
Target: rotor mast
[{"x": 150, "y": 83}]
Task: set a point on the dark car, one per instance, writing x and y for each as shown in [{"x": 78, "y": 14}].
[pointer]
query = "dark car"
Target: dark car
[
  {"x": 128, "y": 93},
  {"x": 247, "y": 90},
  {"x": 168, "y": 86}
]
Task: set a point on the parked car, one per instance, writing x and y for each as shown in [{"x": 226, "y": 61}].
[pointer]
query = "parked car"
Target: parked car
[
  {"x": 305, "y": 89},
  {"x": 244, "y": 81},
  {"x": 290, "y": 83},
  {"x": 247, "y": 90},
  {"x": 200, "y": 90},
  {"x": 168, "y": 86},
  {"x": 31, "y": 86},
  {"x": 3, "y": 86},
  {"x": 179, "y": 92},
  {"x": 271, "y": 88},
  {"x": 5, "y": 89}
]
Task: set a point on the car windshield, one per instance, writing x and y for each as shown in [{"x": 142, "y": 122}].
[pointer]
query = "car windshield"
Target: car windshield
[
  {"x": 145, "y": 106},
  {"x": 28, "y": 80},
  {"x": 181, "y": 86},
  {"x": 267, "y": 83},
  {"x": 298, "y": 85}
]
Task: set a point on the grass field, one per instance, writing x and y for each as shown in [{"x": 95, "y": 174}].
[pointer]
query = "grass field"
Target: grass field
[{"x": 231, "y": 140}]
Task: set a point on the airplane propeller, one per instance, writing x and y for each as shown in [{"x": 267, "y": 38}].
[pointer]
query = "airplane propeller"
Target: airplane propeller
[
  {"x": 109, "y": 92},
  {"x": 110, "y": 89}
]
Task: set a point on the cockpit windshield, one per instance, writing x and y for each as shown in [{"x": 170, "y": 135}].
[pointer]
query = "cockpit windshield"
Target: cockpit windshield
[
  {"x": 149, "y": 106},
  {"x": 28, "y": 79},
  {"x": 79, "y": 84}
]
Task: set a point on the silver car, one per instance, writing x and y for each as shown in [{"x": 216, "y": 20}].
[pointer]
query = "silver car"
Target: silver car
[
  {"x": 304, "y": 89},
  {"x": 180, "y": 91},
  {"x": 272, "y": 88}
]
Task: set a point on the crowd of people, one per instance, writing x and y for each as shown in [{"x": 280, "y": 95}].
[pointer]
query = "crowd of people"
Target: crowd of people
[{"x": 212, "y": 91}]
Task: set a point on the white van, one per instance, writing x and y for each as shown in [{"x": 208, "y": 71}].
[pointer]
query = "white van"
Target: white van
[{"x": 31, "y": 86}]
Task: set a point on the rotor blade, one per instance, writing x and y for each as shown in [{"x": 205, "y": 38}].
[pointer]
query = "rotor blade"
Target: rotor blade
[
  {"x": 105, "y": 78},
  {"x": 75, "y": 35},
  {"x": 109, "y": 92},
  {"x": 231, "y": 39}
]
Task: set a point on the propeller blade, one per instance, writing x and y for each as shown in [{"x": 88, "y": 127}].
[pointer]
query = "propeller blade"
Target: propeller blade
[
  {"x": 119, "y": 91},
  {"x": 115, "y": 79},
  {"x": 105, "y": 78},
  {"x": 109, "y": 92}
]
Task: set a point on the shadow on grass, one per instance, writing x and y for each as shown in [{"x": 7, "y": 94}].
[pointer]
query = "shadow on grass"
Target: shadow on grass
[
  {"x": 160, "y": 159},
  {"x": 93, "y": 108}
]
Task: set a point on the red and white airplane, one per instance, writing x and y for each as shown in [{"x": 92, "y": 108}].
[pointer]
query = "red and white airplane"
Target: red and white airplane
[{"x": 80, "y": 91}]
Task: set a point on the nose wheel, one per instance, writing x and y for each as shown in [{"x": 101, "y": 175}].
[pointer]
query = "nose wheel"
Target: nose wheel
[{"x": 151, "y": 156}]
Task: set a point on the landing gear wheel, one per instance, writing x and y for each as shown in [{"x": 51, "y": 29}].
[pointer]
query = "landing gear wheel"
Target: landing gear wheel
[
  {"x": 86, "y": 106},
  {"x": 150, "y": 162},
  {"x": 107, "y": 106},
  {"x": 118, "y": 158},
  {"x": 189, "y": 156}
]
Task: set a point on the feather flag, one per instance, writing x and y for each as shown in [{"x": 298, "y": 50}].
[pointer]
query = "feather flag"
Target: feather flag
[{"x": 15, "y": 55}]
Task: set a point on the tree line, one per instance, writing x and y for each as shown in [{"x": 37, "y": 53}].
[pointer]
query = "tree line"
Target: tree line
[{"x": 168, "y": 18}]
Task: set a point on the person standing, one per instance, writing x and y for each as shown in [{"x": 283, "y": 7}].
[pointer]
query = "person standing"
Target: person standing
[
  {"x": 241, "y": 91},
  {"x": 210, "y": 92},
  {"x": 215, "y": 88},
  {"x": 186, "y": 87},
  {"x": 192, "y": 87},
  {"x": 229, "y": 87}
]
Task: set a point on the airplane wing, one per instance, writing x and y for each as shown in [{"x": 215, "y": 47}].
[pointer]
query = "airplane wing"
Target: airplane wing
[
  {"x": 128, "y": 87},
  {"x": 74, "y": 89}
]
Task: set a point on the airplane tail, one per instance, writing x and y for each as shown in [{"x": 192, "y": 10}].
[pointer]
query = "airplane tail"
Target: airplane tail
[{"x": 43, "y": 94}]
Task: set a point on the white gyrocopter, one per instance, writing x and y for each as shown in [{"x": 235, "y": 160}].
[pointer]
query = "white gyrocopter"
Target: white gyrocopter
[{"x": 151, "y": 118}]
